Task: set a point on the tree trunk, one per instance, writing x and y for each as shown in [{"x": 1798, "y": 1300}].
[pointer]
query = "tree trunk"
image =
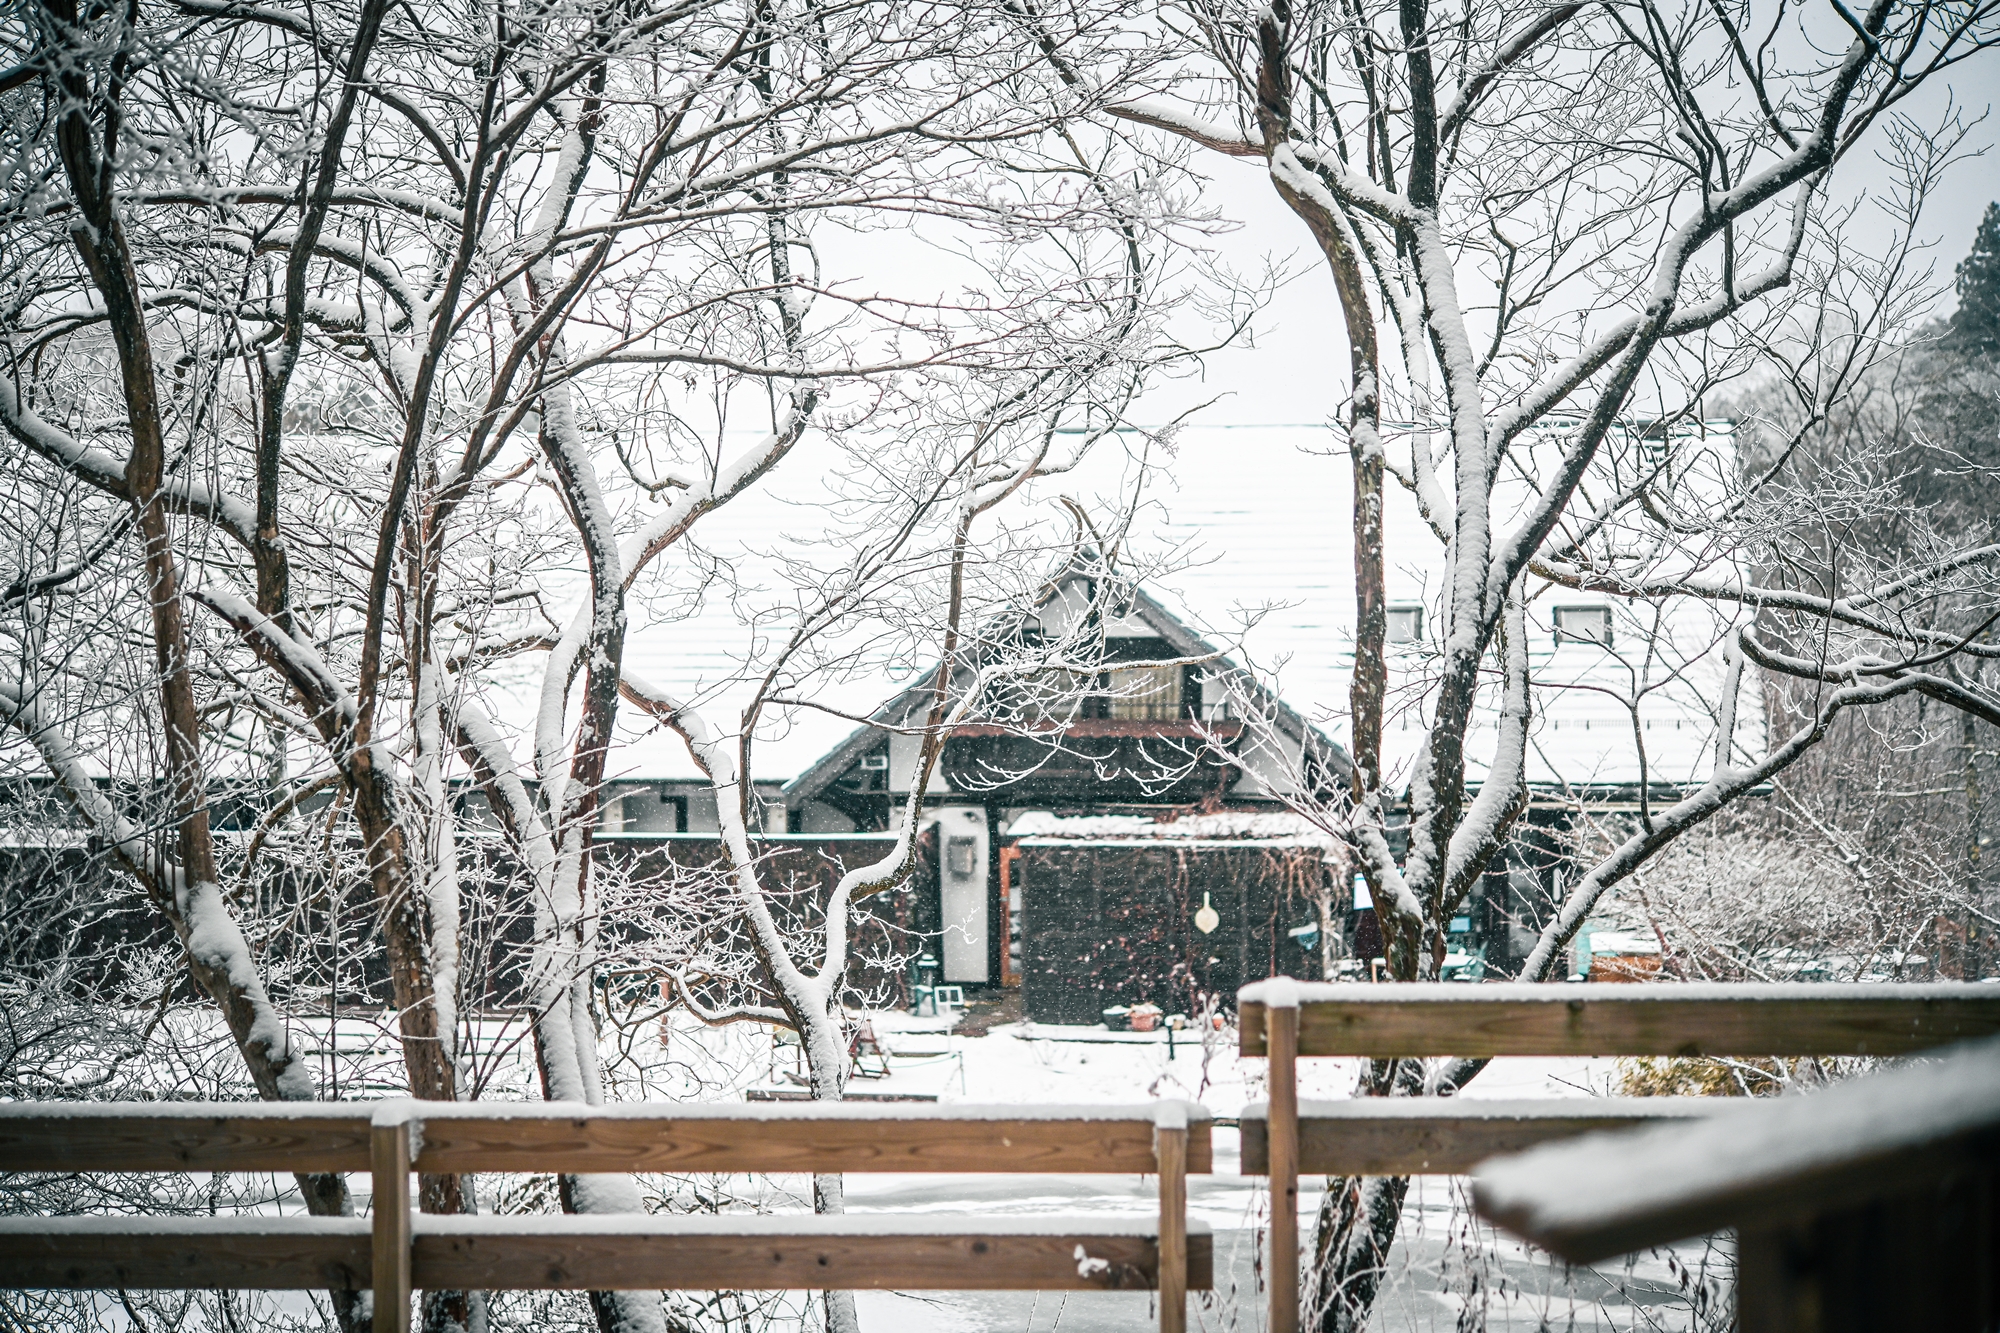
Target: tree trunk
[
  {"x": 107, "y": 255},
  {"x": 1355, "y": 1230}
]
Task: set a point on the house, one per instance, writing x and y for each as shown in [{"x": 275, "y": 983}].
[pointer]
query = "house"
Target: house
[
  {"x": 1251, "y": 546},
  {"x": 1078, "y": 860},
  {"x": 1088, "y": 922}
]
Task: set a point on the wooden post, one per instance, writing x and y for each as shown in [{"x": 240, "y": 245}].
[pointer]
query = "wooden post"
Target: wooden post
[
  {"x": 1281, "y": 1028},
  {"x": 1170, "y": 1140},
  {"x": 389, "y": 1155}
]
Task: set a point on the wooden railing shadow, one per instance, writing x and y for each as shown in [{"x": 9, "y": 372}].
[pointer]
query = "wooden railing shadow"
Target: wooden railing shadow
[
  {"x": 397, "y": 1250},
  {"x": 1284, "y": 1019}
]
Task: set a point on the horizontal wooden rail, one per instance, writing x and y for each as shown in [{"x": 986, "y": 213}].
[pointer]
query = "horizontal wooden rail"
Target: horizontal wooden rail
[
  {"x": 184, "y": 1253},
  {"x": 1386, "y": 1021},
  {"x": 1417, "y": 1136},
  {"x": 183, "y": 1136},
  {"x": 545, "y": 1253},
  {"x": 472, "y": 1136}
]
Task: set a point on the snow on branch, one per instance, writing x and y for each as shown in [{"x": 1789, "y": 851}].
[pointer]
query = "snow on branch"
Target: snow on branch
[
  {"x": 1728, "y": 782},
  {"x": 217, "y": 952},
  {"x": 106, "y": 471}
]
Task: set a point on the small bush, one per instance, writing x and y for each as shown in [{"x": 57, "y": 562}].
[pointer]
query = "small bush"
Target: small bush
[{"x": 1702, "y": 1076}]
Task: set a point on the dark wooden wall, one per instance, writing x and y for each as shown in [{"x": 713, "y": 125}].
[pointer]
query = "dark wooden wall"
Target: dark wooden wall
[{"x": 1108, "y": 924}]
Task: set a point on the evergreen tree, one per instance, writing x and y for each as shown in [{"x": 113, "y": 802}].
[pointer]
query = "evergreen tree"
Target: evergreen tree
[{"x": 1975, "y": 325}]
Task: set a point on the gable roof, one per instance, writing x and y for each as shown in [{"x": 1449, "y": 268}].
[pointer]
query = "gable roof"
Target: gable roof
[{"x": 1143, "y": 607}]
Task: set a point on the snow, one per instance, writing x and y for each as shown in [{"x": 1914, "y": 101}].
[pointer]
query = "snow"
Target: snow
[
  {"x": 1504, "y": 1108},
  {"x": 439, "y": 863},
  {"x": 1312, "y": 992},
  {"x": 1165, "y": 115},
  {"x": 188, "y": 1228},
  {"x": 1205, "y": 843},
  {"x": 215, "y": 938},
  {"x": 802, "y": 1225},
  {"x": 1623, "y": 943},
  {"x": 1264, "y": 829},
  {"x": 355, "y": 1112},
  {"x": 302, "y": 664},
  {"x": 1770, "y": 1147},
  {"x": 1277, "y": 993},
  {"x": 784, "y": 1112}
]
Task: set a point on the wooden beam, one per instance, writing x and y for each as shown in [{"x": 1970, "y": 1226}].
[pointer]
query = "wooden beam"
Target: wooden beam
[
  {"x": 475, "y": 1136},
  {"x": 1772, "y": 1165},
  {"x": 1384, "y": 1021},
  {"x": 1448, "y": 1136},
  {"x": 793, "y": 1253},
  {"x": 801, "y": 1138},
  {"x": 185, "y": 1253},
  {"x": 555, "y": 1253},
  {"x": 1283, "y": 1152},
  {"x": 390, "y": 1138},
  {"x": 1170, "y": 1138},
  {"x": 182, "y": 1136}
]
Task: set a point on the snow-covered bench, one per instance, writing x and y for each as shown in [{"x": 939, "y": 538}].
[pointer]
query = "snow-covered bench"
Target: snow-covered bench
[
  {"x": 398, "y": 1250},
  {"x": 1872, "y": 1205},
  {"x": 1285, "y": 1019}
]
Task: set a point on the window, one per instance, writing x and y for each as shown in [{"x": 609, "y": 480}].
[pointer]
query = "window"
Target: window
[
  {"x": 1146, "y": 694},
  {"x": 1583, "y": 624},
  {"x": 670, "y": 816},
  {"x": 1406, "y": 624}
]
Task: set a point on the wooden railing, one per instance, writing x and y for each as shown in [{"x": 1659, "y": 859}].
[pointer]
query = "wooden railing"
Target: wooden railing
[
  {"x": 398, "y": 1250},
  {"x": 1284, "y": 1019},
  {"x": 1872, "y": 1205}
]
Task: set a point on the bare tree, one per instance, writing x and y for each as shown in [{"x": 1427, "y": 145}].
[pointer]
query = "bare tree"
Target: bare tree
[
  {"x": 371, "y": 349},
  {"x": 1541, "y": 224},
  {"x": 935, "y": 572}
]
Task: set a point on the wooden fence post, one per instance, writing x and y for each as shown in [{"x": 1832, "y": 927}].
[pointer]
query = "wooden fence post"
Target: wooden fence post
[
  {"x": 1170, "y": 1140},
  {"x": 389, "y": 1159},
  {"x": 1281, "y": 1044}
]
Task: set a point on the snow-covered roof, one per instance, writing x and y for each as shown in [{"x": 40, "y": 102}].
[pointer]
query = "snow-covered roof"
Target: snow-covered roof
[
  {"x": 1245, "y": 537},
  {"x": 1262, "y": 519},
  {"x": 1262, "y": 826}
]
